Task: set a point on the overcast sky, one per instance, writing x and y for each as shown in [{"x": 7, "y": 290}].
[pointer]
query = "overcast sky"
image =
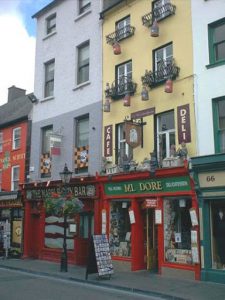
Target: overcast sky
[{"x": 17, "y": 49}]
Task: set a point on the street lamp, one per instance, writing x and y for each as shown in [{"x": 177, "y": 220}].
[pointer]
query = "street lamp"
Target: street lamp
[{"x": 65, "y": 177}]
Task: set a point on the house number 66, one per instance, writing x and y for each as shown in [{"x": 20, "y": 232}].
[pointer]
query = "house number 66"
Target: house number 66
[{"x": 210, "y": 178}]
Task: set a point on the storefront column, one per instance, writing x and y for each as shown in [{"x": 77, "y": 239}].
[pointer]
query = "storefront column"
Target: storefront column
[
  {"x": 26, "y": 235},
  {"x": 97, "y": 216},
  {"x": 137, "y": 238}
]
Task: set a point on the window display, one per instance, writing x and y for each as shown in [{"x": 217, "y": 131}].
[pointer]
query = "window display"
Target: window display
[
  {"x": 120, "y": 229},
  {"x": 218, "y": 231},
  {"x": 177, "y": 230}
]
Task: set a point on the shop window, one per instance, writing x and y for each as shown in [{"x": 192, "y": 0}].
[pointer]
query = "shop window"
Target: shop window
[
  {"x": 15, "y": 178},
  {"x": 124, "y": 152},
  {"x": 51, "y": 24},
  {"x": 219, "y": 124},
  {"x": 84, "y": 5},
  {"x": 177, "y": 230},
  {"x": 86, "y": 225},
  {"x": 216, "y": 33},
  {"x": 163, "y": 60},
  {"x": 16, "y": 138},
  {"x": 120, "y": 229},
  {"x": 218, "y": 234},
  {"x": 16, "y": 226},
  {"x": 45, "y": 155},
  {"x": 82, "y": 144},
  {"x": 83, "y": 63},
  {"x": 165, "y": 134},
  {"x": 1, "y": 141},
  {"x": 123, "y": 28},
  {"x": 49, "y": 78}
]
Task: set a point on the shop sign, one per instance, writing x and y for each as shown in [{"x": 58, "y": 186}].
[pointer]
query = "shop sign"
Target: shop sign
[
  {"x": 183, "y": 121},
  {"x": 133, "y": 133},
  {"x": 212, "y": 179},
  {"x": 80, "y": 191},
  {"x": 150, "y": 203},
  {"x": 108, "y": 141},
  {"x": 10, "y": 203},
  {"x": 143, "y": 113},
  {"x": 149, "y": 186}
]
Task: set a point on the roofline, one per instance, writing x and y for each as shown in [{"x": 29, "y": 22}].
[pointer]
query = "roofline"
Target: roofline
[
  {"x": 108, "y": 8},
  {"x": 46, "y": 8},
  {"x": 6, "y": 124}
]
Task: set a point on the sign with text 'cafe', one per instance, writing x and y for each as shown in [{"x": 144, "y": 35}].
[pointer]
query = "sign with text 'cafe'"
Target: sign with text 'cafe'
[{"x": 149, "y": 186}]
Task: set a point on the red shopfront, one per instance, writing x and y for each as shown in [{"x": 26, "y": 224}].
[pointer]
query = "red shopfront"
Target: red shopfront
[
  {"x": 43, "y": 234},
  {"x": 152, "y": 222}
]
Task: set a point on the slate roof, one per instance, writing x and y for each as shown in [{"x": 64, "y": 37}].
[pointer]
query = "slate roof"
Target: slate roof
[{"x": 14, "y": 111}]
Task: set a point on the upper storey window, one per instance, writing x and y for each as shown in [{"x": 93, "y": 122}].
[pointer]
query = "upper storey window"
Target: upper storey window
[
  {"x": 1, "y": 141},
  {"x": 217, "y": 41},
  {"x": 84, "y": 5},
  {"x": 51, "y": 24},
  {"x": 123, "y": 28},
  {"x": 83, "y": 63},
  {"x": 16, "y": 138},
  {"x": 49, "y": 78}
]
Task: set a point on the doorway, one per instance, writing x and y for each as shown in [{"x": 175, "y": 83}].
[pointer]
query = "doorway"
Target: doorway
[{"x": 151, "y": 240}]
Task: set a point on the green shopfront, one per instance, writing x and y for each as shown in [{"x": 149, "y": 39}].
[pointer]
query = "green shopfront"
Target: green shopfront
[
  {"x": 209, "y": 175},
  {"x": 152, "y": 221}
]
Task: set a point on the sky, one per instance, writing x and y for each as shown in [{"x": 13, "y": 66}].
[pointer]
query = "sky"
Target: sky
[{"x": 17, "y": 44}]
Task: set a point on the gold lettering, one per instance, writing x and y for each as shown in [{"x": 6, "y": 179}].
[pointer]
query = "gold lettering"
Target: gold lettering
[{"x": 129, "y": 188}]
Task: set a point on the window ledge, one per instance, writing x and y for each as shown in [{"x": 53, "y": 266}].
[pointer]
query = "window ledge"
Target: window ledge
[
  {"x": 80, "y": 86},
  {"x": 49, "y": 35},
  {"x": 47, "y": 98},
  {"x": 216, "y": 64},
  {"x": 82, "y": 15}
]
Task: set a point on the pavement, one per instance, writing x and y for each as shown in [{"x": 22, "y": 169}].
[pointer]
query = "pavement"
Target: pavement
[{"x": 140, "y": 282}]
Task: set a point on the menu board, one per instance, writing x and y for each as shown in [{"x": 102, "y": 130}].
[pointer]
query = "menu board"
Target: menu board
[{"x": 99, "y": 256}]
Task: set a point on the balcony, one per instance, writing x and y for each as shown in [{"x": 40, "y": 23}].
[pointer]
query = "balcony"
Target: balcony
[
  {"x": 165, "y": 69},
  {"x": 158, "y": 13},
  {"x": 120, "y": 34},
  {"x": 119, "y": 89}
]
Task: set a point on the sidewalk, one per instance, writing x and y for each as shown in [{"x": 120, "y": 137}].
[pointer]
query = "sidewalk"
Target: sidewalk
[{"x": 139, "y": 281}]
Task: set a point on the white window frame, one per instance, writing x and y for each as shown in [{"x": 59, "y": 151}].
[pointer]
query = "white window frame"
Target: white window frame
[
  {"x": 82, "y": 64},
  {"x": 121, "y": 27},
  {"x": 15, "y": 178},
  {"x": 84, "y": 5},
  {"x": 78, "y": 133},
  {"x": 51, "y": 24},
  {"x": 1, "y": 141},
  {"x": 121, "y": 143},
  {"x": 49, "y": 78},
  {"x": 167, "y": 133},
  {"x": 163, "y": 54},
  {"x": 16, "y": 139},
  {"x": 158, "y": 4},
  {"x": 46, "y": 135}
]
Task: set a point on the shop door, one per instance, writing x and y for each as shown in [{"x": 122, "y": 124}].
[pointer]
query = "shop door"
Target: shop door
[
  {"x": 34, "y": 237},
  {"x": 151, "y": 242},
  {"x": 86, "y": 230}
]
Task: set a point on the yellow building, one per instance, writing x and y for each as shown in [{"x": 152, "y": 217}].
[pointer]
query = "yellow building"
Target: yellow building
[{"x": 141, "y": 70}]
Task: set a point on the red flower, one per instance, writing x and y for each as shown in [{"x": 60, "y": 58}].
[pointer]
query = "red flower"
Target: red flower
[{"x": 55, "y": 195}]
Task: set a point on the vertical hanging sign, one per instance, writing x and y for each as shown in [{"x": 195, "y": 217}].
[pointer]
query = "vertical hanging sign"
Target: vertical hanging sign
[
  {"x": 183, "y": 123},
  {"x": 108, "y": 141}
]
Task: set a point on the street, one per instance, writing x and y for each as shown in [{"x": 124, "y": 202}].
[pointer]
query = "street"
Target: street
[{"x": 16, "y": 285}]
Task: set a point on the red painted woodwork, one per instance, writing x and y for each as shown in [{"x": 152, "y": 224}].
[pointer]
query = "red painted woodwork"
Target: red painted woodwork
[{"x": 81, "y": 247}]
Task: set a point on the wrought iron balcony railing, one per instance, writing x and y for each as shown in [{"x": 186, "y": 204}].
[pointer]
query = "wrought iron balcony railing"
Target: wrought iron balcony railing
[
  {"x": 158, "y": 13},
  {"x": 120, "y": 34},
  {"x": 165, "y": 69},
  {"x": 121, "y": 87}
]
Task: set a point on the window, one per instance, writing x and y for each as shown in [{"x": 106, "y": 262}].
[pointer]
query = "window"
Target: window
[
  {"x": 51, "y": 24},
  {"x": 161, "y": 9},
  {"x": 217, "y": 41},
  {"x": 124, "y": 152},
  {"x": 165, "y": 134},
  {"x": 16, "y": 138},
  {"x": 86, "y": 226},
  {"x": 123, "y": 28},
  {"x": 82, "y": 145},
  {"x": 124, "y": 77},
  {"x": 177, "y": 230},
  {"x": 46, "y": 132},
  {"x": 219, "y": 124},
  {"x": 84, "y": 5},
  {"x": 1, "y": 141},
  {"x": 15, "y": 178},
  {"x": 82, "y": 132},
  {"x": 0, "y": 180},
  {"x": 83, "y": 63},
  {"x": 120, "y": 229},
  {"x": 49, "y": 78},
  {"x": 163, "y": 58}
]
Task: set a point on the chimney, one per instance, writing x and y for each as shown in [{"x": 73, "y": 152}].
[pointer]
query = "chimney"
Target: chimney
[{"x": 14, "y": 93}]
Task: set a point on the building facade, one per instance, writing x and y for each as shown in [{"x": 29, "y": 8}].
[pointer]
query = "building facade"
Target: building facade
[
  {"x": 209, "y": 68},
  {"x": 149, "y": 126},
  {"x": 15, "y": 128},
  {"x": 67, "y": 116}
]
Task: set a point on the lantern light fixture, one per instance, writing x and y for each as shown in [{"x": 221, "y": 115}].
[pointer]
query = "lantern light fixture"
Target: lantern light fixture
[
  {"x": 155, "y": 29},
  {"x": 106, "y": 106},
  {"x": 116, "y": 48},
  {"x": 144, "y": 94},
  {"x": 126, "y": 99},
  {"x": 169, "y": 86},
  {"x": 65, "y": 175}
]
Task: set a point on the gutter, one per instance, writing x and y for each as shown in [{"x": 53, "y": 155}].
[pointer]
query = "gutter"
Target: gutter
[{"x": 109, "y": 8}]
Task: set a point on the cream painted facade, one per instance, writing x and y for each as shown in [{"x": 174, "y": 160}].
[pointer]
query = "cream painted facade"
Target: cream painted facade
[{"x": 139, "y": 48}]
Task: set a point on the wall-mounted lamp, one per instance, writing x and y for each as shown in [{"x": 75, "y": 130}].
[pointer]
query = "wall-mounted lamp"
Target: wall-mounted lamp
[
  {"x": 32, "y": 98},
  {"x": 126, "y": 99},
  {"x": 155, "y": 29},
  {"x": 116, "y": 48},
  {"x": 144, "y": 94},
  {"x": 168, "y": 86},
  {"x": 106, "y": 106}
]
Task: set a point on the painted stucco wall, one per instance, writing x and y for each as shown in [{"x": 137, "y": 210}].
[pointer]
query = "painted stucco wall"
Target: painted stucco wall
[
  {"x": 176, "y": 29},
  {"x": 209, "y": 83},
  {"x": 69, "y": 101}
]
